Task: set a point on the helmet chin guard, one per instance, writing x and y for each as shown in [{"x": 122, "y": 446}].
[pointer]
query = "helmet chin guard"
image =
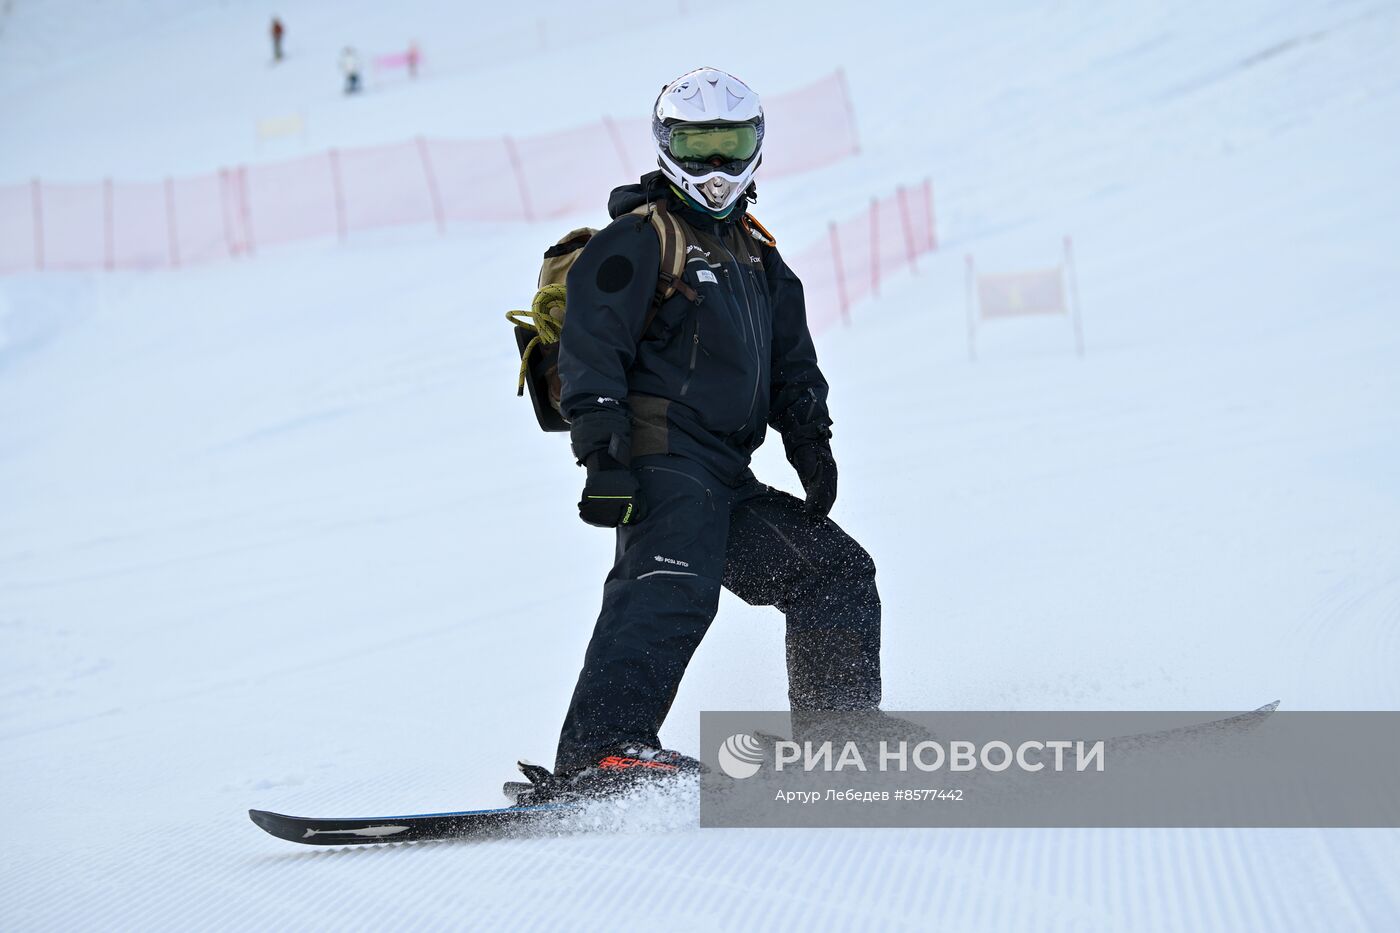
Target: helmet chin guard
[
  {"x": 707, "y": 96},
  {"x": 716, "y": 192}
]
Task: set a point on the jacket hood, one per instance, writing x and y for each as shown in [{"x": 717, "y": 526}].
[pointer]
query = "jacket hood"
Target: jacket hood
[{"x": 651, "y": 187}]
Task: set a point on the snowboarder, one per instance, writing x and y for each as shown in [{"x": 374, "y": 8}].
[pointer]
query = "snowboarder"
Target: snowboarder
[
  {"x": 278, "y": 31},
  {"x": 666, "y": 410},
  {"x": 350, "y": 65}
]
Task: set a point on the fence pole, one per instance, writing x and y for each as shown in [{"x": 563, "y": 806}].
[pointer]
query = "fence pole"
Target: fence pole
[
  {"x": 109, "y": 249},
  {"x": 333, "y": 157},
  {"x": 971, "y": 319},
  {"x": 225, "y": 195},
  {"x": 439, "y": 216},
  {"x": 910, "y": 249},
  {"x": 842, "y": 300},
  {"x": 519, "y": 170},
  {"x": 170, "y": 228},
  {"x": 1074, "y": 298},
  {"x": 248, "y": 241},
  {"x": 932, "y": 228},
  {"x": 850, "y": 110},
  {"x": 611, "y": 127},
  {"x": 37, "y": 199},
  {"x": 875, "y": 247}
]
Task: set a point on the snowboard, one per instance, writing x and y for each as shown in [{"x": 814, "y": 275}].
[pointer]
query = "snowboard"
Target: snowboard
[
  {"x": 496, "y": 823},
  {"x": 550, "y": 818}
]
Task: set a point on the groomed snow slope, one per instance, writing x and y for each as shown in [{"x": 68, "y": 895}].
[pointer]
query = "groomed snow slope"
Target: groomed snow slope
[{"x": 270, "y": 531}]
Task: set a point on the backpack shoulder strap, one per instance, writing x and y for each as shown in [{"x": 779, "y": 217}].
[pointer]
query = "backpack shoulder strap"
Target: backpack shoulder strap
[{"x": 670, "y": 233}]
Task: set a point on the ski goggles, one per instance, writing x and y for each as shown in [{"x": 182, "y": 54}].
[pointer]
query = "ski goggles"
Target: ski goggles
[{"x": 732, "y": 142}]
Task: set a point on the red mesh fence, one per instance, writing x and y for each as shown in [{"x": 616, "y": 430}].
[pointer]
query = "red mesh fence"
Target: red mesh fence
[
  {"x": 811, "y": 129},
  {"x": 566, "y": 172},
  {"x": 73, "y": 227},
  {"x": 137, "y": 221},
  {"x": 849, "y": 264},
  {"x": 368, "y": 203},
  {"x": 198, "y": 221},
  {"x": 284, "y": 202},
  {"x": 476, "y": 180},
  {"x": 333, "y": 194}
]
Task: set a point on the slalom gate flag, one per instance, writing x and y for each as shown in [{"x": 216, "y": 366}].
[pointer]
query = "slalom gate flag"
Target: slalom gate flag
[
  {"x": 1041, "y": 291},
  {"x": 393, "y": 60},
  {"x": 293, "y": 124},
  {"x": 996, "y": 295}
]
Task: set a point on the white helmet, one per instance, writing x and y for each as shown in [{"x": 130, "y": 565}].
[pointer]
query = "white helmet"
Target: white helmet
[{"x": 708, "y": 130}]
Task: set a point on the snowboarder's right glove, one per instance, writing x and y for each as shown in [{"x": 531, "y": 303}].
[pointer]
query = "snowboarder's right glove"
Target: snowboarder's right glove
[
  {"x": 816, "y": 468},
  {"x": 611, "y": 496}
]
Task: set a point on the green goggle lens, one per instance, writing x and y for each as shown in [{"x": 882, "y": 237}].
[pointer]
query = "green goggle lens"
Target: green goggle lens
[{"x": 731, "y": 142}]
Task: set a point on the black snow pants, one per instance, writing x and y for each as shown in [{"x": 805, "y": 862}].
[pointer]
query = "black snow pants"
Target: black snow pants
[{"x": 663, "y": 591}]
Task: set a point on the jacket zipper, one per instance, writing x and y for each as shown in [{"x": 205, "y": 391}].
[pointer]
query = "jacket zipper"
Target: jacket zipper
[
  {"x": 694, "y": 352},
  {"x": 753, "y": 327}
]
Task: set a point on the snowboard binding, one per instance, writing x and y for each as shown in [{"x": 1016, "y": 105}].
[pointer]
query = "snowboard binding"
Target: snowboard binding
[{"x": 614, "y": 772}]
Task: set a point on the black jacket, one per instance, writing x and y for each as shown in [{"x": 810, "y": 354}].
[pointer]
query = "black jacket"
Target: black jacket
[{"x": 706, "y": 379}]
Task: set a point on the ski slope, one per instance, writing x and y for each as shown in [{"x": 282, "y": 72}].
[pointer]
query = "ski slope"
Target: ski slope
[{"x": 277, "y": 533}]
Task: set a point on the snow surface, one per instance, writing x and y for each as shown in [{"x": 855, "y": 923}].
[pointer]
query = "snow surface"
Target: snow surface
[{"x": 270, "y": 530}]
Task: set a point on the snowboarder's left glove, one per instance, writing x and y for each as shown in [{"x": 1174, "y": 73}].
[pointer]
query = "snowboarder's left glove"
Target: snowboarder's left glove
[
  {"x": 816, "y": 468},
  {"x": 611, "y": 496}
]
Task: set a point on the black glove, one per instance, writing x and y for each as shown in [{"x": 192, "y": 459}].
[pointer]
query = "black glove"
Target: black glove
[
  {"x": 611, "y": 496},
  {"x": 816, "y": 468}
]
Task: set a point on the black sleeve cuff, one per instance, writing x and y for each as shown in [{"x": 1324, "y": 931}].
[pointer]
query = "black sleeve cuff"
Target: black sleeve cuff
[
  {"x": 607, "y": 431},
  {"x": 802, "y": 435}
]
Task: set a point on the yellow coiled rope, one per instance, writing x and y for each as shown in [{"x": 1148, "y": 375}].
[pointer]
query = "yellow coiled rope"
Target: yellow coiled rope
[{"x": 543, "y": 320}]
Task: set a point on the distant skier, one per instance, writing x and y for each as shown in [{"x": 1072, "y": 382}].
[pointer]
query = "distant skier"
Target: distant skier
[
  {"x": 350, "y": 67},
  {"x": 665, "y": 414},
  {"x": 411, "y": 59},
  {"x": 278, "y": 31}
]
